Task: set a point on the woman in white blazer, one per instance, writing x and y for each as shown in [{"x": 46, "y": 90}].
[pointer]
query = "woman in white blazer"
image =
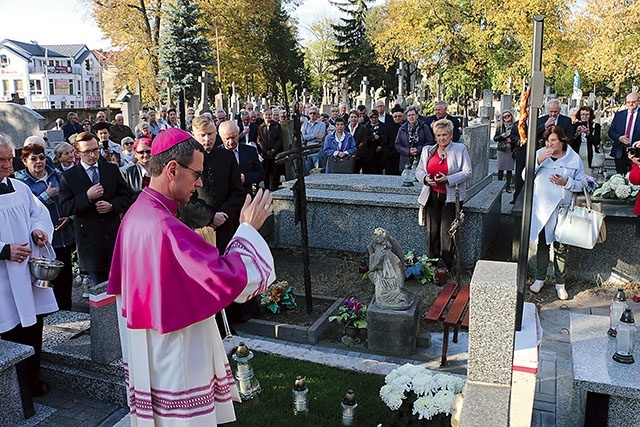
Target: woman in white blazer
[{"x": 559, "y": 173}]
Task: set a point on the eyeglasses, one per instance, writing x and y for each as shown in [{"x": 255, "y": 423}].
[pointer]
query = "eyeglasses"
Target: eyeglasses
[
  {"x": 88, "y": 152},
  {"x": 198, "y": 174},
  {"x": 127, "y": 143},
  {"x": 145, "y": 152},
  {"x": 506, "y": 116}
]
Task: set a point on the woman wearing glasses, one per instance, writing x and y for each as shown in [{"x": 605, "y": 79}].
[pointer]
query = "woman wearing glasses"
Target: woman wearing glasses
[
  {"x": 44, "y": 183},
  {"x": 507, "y": 137},
  {"x": 443, "y": 167},
  {"x": 137, "y": 175}
]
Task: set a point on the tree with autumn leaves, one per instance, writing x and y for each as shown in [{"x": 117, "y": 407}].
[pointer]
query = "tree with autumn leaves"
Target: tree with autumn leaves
[{"x": 458, "y": 45}]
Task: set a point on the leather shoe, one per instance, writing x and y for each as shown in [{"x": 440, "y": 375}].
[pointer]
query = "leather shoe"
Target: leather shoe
[
  {"x": 39, "y": 388},
  {"x": 537, "y": 285}
]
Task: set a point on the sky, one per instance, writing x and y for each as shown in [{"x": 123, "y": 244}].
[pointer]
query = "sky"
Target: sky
[{"x": 70, "y": 21}]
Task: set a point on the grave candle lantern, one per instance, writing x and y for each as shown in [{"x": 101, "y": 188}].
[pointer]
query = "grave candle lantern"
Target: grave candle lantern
[
  {"x": 349, "y": 406},
  {"x": 248, "y": 384},
  {"x": 300, "y": 391},
  {"x": 625, "y": 338},
  {"x": 618, "y": 305}
]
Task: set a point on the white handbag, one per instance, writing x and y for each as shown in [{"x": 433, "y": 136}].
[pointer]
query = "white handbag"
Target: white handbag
[
  {"x": 579, "y": 225},
  {"x": 598, "y": 158}
]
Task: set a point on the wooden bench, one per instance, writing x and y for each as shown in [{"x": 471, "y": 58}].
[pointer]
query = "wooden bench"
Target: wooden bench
[{"x": 456, "y": 316}]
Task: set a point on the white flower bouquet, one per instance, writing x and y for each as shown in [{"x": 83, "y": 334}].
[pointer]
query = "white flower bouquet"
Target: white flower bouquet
[
  {"x": 617, "y": 187},
  {"x": 417, "y": 389}
]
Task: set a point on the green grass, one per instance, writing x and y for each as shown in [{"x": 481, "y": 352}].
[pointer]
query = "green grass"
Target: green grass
[{"x": 327, "y": 386}]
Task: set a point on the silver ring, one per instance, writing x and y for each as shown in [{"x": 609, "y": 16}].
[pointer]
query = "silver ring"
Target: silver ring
[{"x": 267, "y": 207}]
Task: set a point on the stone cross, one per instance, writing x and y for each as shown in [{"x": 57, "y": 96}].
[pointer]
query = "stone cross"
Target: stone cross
[
  {"x": 364, "y": 86},
  {"x": 400, "y": 74},
  {"x": 204, "y": 80},
  {"x": 168, "y": 94},
  {"x": 305, "y": 94}
]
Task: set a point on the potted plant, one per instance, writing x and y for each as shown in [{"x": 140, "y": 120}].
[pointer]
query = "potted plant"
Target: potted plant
[{"x": 352, "y": 315}]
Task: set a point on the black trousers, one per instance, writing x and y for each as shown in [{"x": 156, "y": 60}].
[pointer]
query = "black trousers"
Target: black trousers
[
  {"x": 520, "y": 157},
  {"x": 29, "y": 368},
  {"x": 440, "y": 215},
  {"x": 271, "y": 174},
  {"x": 63, "y": 283}
]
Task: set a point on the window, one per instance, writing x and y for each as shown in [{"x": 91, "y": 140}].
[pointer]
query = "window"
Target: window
[
  {"x": 88, "y": 64},
  {"x": 4, "y": 61},
  {"x": 5, "y": 88},
  {"x": 86, "y": 86},
  {"x": 36, "y": 87},
  {"x": 53, "y": 105},
  {"x": 71, "y": 87},
  {"x": 18, "y": 87},
  {"x": 51, "y": 87},
  {"x": 98, "y": 88}
]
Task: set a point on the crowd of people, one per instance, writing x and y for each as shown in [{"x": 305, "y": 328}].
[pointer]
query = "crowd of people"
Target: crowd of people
[{"x": 170, "y": 182}]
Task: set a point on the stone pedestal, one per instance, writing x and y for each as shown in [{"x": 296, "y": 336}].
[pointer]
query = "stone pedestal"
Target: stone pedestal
[
  {"x": 492, "y": 305},
  {"x": 595, "y": 371},
  {"x": 393, "y": 332},
  {"x": 14, "y": 405},
  {"x": 105, "y": 338}
]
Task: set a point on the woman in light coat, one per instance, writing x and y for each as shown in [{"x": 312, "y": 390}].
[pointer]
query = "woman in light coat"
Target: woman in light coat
[
  {"x": 559, "y": 173},
  {"x": 442, "y": 167}
]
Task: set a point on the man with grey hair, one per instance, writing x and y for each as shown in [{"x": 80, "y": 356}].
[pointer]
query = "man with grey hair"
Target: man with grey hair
[
  {"x": 221, "y": 116},
  {"x": 248, "y": 130},
  {"x": 73, "y": 125},
  {"x": 217, "y": 203},
  {"x": 554, "y": 118},
  {"x": 120, "y": 130},
  {"x": 153, "y": 123},
  {"x": 384, "y": 117},
  {"x": 313, "y": 133},
  {"x": 440, "y": 109},
  {"x": 25, "y": 226}
]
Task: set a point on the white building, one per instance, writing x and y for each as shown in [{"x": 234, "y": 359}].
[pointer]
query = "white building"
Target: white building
[{"x": 50, "y": 76}]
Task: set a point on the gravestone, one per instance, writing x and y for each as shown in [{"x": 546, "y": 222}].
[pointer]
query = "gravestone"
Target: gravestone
[
  {"x": 105, "y": 338},
  {"x": 485, "y": 111},
  {"x": 15, "y": 406},
  {"x": 506, "y": 103},
  {"x": 54, "y": 136},
  {"x": 18, "y": 122},
  {"x": 222, "y": 101},
  {"x": 131, "y": 107},
  {"x": 203, "y": 106},
  {"x": 344, "y": 91}
]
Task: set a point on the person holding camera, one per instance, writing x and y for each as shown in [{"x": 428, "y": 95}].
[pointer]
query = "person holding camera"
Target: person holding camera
[{"x": 586, "y": 130}]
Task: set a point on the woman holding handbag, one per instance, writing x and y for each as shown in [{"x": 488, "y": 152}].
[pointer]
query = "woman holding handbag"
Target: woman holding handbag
[
  {"x": 339, "y": 146},
  {"x": 586, "y": 130},
  {"x": 507, "y": 137},
  {"x": 559, "y": 173}
]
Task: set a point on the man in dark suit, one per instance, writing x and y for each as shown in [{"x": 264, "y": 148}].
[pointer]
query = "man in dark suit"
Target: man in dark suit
[
  {"x": 218, "y": 202},
  {"x": 624, "y": 131},
  {"x": 441, "y": 112},
  {"x": 251, "y": 171},
  {"x": 270, "y": 143},
  {"x": 383, "y": 117},
  {"x": 97, "y": 195},
  {"x": 248, "y": 130},
  {"x": 73, "y": 125},
  {"x": 554, "y": 118}
]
